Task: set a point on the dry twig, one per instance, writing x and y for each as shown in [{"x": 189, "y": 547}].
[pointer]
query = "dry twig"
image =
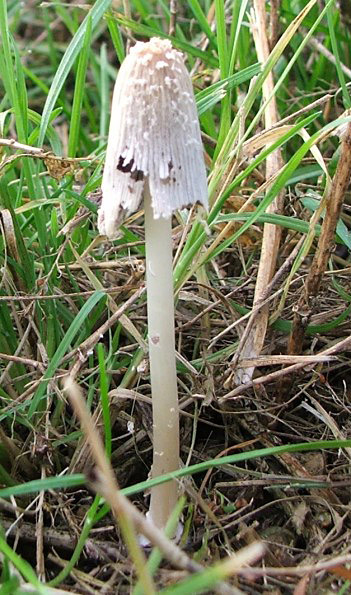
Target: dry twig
[{"x": 336, "y": 192}]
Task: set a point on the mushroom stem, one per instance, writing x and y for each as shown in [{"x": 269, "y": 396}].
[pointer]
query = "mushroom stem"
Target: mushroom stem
[{"x": 160, "y": 312}]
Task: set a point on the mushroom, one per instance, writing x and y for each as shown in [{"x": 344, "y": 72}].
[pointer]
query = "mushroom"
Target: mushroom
[{"x": 155, "y": 151}]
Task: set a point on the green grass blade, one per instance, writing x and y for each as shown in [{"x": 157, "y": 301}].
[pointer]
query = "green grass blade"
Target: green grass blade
[
  {"x": 63, "y": 482},
  {"x": 73, "y": 139},
  {"x": 116, "y": 37},
  {"x": 26, "y": 262},
  {"x": 239, "y": 10},
  {"x": 222, "y": 44},
  {"x": 155, "y": 557},
  {"x": 67, "y": 62},
  {"x": 60, "y": 482},
  {"x": 88, "y": 524},
  {"x": 62, "y": 348},
  {"x": 331, "y": 19},
  {"x": 105, "y": 402},
  {"x": 198, "y": 235},
  {"x": 201, "y": 20},
  {"x": 187, "y": 48},
  {"x": 210, "y": 96},
  {"x": 22, "y": 566},
  {"x": 233, "y": 459},
  {"x": 104, "y": 95}
]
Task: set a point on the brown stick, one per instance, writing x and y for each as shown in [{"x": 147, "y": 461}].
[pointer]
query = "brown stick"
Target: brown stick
[
  {"x": 274, "y": 23},
  {"x": 173, "y": 17},
  {"x": 325, "y": 245}
]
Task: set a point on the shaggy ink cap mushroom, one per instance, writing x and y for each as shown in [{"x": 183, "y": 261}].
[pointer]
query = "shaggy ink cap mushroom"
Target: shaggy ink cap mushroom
[
  {"x": 154, "y": 137},
  {"x": 155, "y": 151}
]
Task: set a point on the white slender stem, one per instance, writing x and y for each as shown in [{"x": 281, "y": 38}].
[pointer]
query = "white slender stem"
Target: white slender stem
[{"x": 160, "y": 312}]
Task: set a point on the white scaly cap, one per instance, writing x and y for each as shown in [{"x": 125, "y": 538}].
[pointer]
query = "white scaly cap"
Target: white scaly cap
[{"x": 154, "y": 134}]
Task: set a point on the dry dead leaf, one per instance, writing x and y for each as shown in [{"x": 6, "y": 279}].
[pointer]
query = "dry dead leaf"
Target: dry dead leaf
[
  {"x": 298, "y": 518},
  {"x": 58, "y": 167}
]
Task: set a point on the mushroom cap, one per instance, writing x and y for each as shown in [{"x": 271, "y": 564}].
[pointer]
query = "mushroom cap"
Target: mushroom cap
[{"x": 154, "y": 135}]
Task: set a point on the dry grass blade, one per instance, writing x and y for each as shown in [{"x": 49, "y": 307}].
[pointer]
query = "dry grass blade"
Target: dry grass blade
[
  {"x": 271, "y": 233},
  {"x": 299, "y": 570},
  {"x": 130, "y": 519},
  {"x": 57, "y": 166},
  {"x": 89, "y": 343},
  {"x": 276, "y": 360},
  {"x": 104, "y": 482},
  {"x": 337, "y": 348},
  {"x": 335, "y": 198},
  {"x": 321, "y": 413}
]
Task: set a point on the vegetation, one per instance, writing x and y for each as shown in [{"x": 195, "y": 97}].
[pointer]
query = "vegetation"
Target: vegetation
[{"x": 263, "y": 304}]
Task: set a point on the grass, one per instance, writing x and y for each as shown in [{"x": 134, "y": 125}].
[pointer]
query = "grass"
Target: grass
[{"x": 61, "y": 286}]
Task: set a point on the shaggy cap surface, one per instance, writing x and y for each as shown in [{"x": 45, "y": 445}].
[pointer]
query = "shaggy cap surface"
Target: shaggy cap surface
[{"x": 155, "y": 135}]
